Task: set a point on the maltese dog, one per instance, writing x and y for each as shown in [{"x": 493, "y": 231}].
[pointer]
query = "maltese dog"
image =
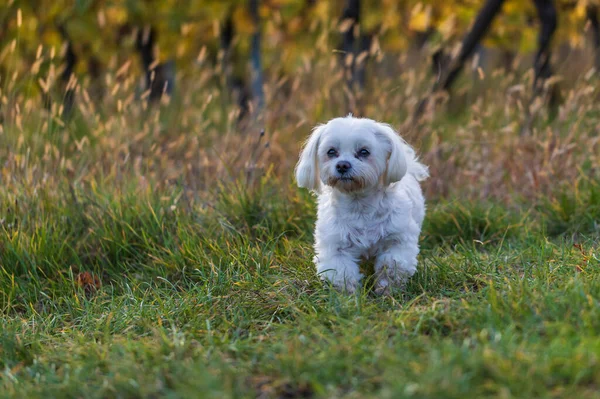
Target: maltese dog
[{"x": 370, "y": 203}]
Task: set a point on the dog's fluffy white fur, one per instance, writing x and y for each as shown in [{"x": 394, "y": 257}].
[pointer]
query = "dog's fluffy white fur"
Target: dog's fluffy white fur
[{"x": 370, "y": 203}]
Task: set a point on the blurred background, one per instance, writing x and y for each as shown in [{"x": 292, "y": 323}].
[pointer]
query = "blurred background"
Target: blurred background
[{"x": 156, "y": 93}]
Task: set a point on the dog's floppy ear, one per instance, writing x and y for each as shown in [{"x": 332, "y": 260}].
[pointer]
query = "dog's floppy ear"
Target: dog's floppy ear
[
  {"x": 396, "y": 164},
  {"x": 307, "y": 169}
]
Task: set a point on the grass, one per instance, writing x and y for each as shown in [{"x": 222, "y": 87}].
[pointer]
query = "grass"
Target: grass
[
  {"x": 224, "y": 301},
  {"x": 165, "y": 251}
]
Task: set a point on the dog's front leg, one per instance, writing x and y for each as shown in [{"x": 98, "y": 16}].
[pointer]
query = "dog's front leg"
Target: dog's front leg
[
  {"x": 340, "y": 269},
  {"x": 395, "y": 265}
]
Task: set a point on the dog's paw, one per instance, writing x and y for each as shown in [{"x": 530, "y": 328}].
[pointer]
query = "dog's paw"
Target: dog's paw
[
  {"x": 392, "y": 274},
  {"x": 384, "y": 285},
  {"x": 341, "y": 282}
]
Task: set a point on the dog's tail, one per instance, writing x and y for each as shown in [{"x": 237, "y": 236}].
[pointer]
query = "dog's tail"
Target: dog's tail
[{"x": 415, "y": 168}]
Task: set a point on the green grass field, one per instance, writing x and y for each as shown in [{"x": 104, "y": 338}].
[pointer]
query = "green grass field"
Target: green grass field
[
  {"x": 224, "y": 301},
  {"x": 166, "y": 252}
]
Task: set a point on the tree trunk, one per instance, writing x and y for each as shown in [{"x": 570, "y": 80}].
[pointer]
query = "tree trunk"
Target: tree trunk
[
  {"x": 592, "y": 16},
  {"x": 255, "y": 56},
  {"x": 482, "y": 23},
  {"x": 235, "y": 84},
  {"x": 547, "y": 14},
  {"x": 351, "y": 13},
  {"x": 160, "y": 78},
  {"x": 67, "y": 74}
]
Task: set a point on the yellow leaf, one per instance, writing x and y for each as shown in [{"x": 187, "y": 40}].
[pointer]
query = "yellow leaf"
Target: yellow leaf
[
  {"x": 447, "y": 26},
  {"x": 420, "y": 18},
  {"x": 580, "y": 11},
  {"x": 243, "y": 21},
  {"x": 116, "y": 15}
]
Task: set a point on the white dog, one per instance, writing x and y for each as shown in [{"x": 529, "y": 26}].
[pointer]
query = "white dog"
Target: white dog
[{"x": 370, "y": 203}]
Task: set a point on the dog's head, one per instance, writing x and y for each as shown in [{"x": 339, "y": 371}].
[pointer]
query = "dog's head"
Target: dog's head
[{"x": 351, "y": 155}]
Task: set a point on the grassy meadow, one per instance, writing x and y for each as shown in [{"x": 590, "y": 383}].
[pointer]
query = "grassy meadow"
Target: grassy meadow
[{"x": 165, "y": 251}]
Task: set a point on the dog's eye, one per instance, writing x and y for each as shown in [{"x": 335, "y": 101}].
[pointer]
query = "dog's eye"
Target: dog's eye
[
  {"x": 364, "y": 152},
  {"x": 332, "y": 152}
]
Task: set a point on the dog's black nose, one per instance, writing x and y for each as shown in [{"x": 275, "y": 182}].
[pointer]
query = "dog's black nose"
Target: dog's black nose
[{"x": 343, "y": 167}]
